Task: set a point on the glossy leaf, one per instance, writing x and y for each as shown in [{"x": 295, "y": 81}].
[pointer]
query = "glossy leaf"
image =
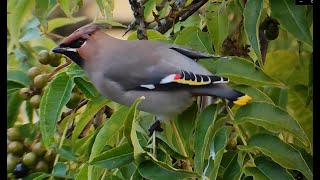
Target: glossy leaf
[
  {"x": 86, "y": 87},
  {"x": 66, "y": 153},
  {"x": 202, "y": 134},
  {"x": 13, "y": 87},
  {"x": 62, "y": 21},
  {"x": 65, "y": 6},
  {"x": 55, "y": 96},
  {"x": 251, "y": 15},
  {"x": 151, "y": 34},
  {"x": 255, "y": 93},
  {"x": 18, "y": 76},
  {"x": 169, "y": 148},
  {"x": 92, "y": 108},
  {"x": 114, "y": 158},
  {"x": 217, "y": 23},
  {"x": 255, "y": 173},
  {"x": 292, "y": 18},
  {"x": 279, "y": 96},
  {"x": 242, "y": 71},
  {"x": 232, "y": 169},
  {"x": 279, "y": 151},
  {"x": 270, "y": 117},
  {"x": 41, "y": 11},
  {"x": 83, "y": 173},
  {"x": 271, "y": 169},
  {"x": 13, "y": 108},
  {"x": 156, "y": 170},
  {"x": 109, "y": 130}
]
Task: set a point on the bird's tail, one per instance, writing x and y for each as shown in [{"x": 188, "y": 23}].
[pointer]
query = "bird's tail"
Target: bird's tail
[{"x": 224, "y": 91}]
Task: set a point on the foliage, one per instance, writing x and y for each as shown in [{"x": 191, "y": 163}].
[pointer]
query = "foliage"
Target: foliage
[{"x": 270, "y": 138}]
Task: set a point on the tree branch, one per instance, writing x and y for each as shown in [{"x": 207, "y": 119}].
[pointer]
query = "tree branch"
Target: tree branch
[{"x": 138, "y": 13}]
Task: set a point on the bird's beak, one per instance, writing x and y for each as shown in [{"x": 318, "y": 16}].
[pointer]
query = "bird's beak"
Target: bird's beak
[{"x": 63, "y": 50}]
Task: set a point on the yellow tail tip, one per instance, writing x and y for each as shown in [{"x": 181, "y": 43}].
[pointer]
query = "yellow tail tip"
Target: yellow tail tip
[{"x": 243, "y": 100}]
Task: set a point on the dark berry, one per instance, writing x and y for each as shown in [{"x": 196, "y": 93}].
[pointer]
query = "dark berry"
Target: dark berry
[{"x": 20, "y": 171}]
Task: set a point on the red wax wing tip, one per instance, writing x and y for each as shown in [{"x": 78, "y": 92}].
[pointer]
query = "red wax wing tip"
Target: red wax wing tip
[{"x": 177, "y": 76}]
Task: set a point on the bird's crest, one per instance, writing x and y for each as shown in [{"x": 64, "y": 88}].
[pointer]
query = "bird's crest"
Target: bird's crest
[{"x": 86, "y": 31}]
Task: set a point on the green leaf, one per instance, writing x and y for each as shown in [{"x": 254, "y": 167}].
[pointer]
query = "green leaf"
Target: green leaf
[
  {"x": 252, "y": 14},
  {"x": 285, "y": 66},
  {"x": 59, "y": 22},
  {"x": 271, "y": 117},
  {"x": 130, "y": 128},
  {"x": 296, "y": 107},
  {"x": 65, "y": 6},
  {"x": 128, "y": 170},
  {"x": 114, "y": 158},
  {"x": 41, "y": 11},
  {"x": 233, "y": 169},
  {"x": 18, "y": 11},
  {"x": 255, "y": 173},
  {"x": 217, "y": 23},
  {"x": 60, "y": 169},
  {"x": 148, "y": 7},
  {"x": 194, "y": 38},
  {"x": 92, "y": 108},
  {"x": 106, "y": 8},
  {"x": 55, "y": 96},
  {"x": 255, "y": 93},
  {"x": 109, "y": 130},
  {"x": 279, "y": 151},
  {"x": 37, "y": 176},
  {"x": 204, "y": 125},
  {"x": 171, "y": 150},
  {"x": 217, "y": 147},
  {"x": 83, "y": 173},
  {"x": 66, "y": 153},
  {"x": 156, "y": 170},
  {"x": 152, "y": 35},
  {"x": 13, "y": 87},
  {"x": 112, "y": 23},
  {"x": 18, "y": 76},
  {"x": 86, "y": 87},
  {"x": 13, "y": 108},
  {"x": 242, "y": 71},
  {"x": 278, "y": 95},
  {"x": 271, "y": 169},
  {"x": 292, "y": 18},
  {"x": 30, "y": 34}
]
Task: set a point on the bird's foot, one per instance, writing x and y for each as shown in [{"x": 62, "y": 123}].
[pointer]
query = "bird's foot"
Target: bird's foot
[{"x": 156, "y": 126}]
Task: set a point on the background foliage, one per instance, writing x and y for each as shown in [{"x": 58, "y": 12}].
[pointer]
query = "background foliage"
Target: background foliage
[{"x": 270, "y": 60}]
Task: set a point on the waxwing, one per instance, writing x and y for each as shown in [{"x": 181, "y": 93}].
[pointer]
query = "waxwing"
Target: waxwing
[{"x": 166, "y": 75}]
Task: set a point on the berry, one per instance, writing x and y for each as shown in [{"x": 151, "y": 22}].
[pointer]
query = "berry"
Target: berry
[
  {"x": 15, "y": 147},
  {"x": 13, "y": 134},
  {"x": 74, "y": 100},
  {"x": 43, "y": 57},
  {"x": 25, "y": 93},
  {"x": 35, "y": 101},
  {"x": 29, "y": 159},
  {"x": 12, "y": 162},
  {"x": 38, "y": 149},
  {"x": 20, "y": 171},
  {"x": 55, "y": 59},
  {"x": 49, "y": 156},
  {"x": 272, "y": 31},
  {"x": 33, "y": 72},
  {"x": 42, "y": 166},
  {"x": 40, "y": 81}
]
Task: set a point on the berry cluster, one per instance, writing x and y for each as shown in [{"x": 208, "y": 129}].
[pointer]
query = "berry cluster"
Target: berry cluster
[{"x": 25, "y": 157}]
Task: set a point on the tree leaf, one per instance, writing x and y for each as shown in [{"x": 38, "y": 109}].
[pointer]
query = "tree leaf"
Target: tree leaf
[
  {"x": 292, "y": 18},
  {"x": 83, "y": 173},
  {"x": 18, "y": 76},
  {"x": 171, "y": 150},
  {"x": 114, "y": 158},
  {"x": 86, "y": 87},
  {"x": 217, "y": 23},
  {"x": 41, "y": 11},
  {"x": 92, "y": 108},
  {"x": 255, "y": 93},
  {"x": 112, "y": 23},
  {"x": 252, "y": 13},
  {"x": 242, "y": 71},
  {"x": 13, "y": 108},
  {"x": 18, "y": 11},
  {"x": 203, "y": 127},
  {"x": 255, "y": 173},
  {"x": 66, "y": 153},
  {"x": 233, "y": 169},
  {"x": 108, "y": 131},
  {"x": 279, "y": 151},
  {"x": 55, "y": 96},
  {"x": 156, "y": 170},
  {"x": 271, "y": 117},
  {"x": 65, "y": 6},
  {"x": 271, "y": 169},
  {"x": 62, "y": 21},
  {"x": 151, "y": 34},
  {"x": 13, "y": 87}
]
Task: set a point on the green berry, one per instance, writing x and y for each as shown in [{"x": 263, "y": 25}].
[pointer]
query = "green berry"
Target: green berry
[
  {"x": 13, "y": 134},
  {"x": 38, "y": 149},
  {"x": 12, "y": 162},
  {"x": 43, "y": 57},
  {"x": 35, "y": 101},
  {"x": 74, "y": 100},
  {"x": 15, "y": 147},
  {"x": 24, "y": 93},
  {"x": 49, "y": 156},
  {"x": 29, "y": 159},
  {"x": 42, "y": 166},
  {"x": 40, "y": 81},
  {"x": 55, "y": 59},
  {"x": 33, "y": 72}
]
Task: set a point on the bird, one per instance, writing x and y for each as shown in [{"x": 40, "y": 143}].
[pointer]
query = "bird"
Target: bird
[{"x": 167, "y": 75}]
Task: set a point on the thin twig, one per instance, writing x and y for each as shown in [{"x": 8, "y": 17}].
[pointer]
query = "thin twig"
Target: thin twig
[
  {"x": 65, "y": 114},
  {"x": 68, "y": 62},
  {"x": 138, "y": 13}
]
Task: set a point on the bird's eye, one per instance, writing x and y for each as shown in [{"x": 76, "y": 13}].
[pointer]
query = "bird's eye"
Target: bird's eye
[{"x": 80, "y": 42}]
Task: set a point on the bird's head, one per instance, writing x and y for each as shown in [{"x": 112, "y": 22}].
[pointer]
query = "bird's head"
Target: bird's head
[{"x": 72, "y": 44}]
